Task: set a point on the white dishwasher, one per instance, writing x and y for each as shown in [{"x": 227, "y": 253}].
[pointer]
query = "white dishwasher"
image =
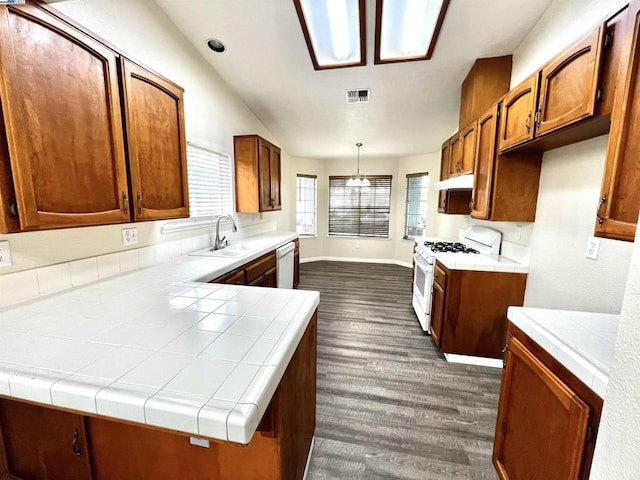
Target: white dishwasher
[{"x": 284, "y": 265}]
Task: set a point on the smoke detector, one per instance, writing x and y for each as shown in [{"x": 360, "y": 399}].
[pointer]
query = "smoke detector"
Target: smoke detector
[{"x": 358, "y": 95}]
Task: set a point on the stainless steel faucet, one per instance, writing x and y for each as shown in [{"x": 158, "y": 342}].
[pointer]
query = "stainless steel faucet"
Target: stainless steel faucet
[{"x": 219, "y": 242}]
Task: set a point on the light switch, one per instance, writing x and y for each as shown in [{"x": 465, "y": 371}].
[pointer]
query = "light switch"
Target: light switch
[
  {"x": 5, "y": 254},
  {"x": 593, "y": 248}
]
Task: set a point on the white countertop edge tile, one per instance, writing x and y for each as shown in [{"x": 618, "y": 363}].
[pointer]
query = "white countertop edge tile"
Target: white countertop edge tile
[{"x": 527, "y": 319}]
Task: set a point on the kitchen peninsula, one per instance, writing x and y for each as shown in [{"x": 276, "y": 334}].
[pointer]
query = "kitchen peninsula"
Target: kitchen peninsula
[{"x": 153, "y": 374}]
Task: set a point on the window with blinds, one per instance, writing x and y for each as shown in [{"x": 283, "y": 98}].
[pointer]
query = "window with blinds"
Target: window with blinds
[
  {"x": 210, "y": 180},
  {"x": 360, "y": 211},
  {"x": 306, "y": 205},
  {"x": 415, "y": 219}
]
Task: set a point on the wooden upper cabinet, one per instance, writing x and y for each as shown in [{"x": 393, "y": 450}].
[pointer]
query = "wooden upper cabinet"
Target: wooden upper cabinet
[
  {"x": 468, "y": 139},
  {"x": 569, "y": 84},
  {"x": 257, "y": 170},
  {"x": 61, "y": 111},
  {"x": 505, "y": 186},
  {"x": 541, "y": 432},
  {"x": 156, "y": 144},
  {"x": 487, "y": 81},
  {"x": 483, "y": 170},
  {"x": 518, "y": 109},
  {"x": 619, "y": 200},
  {"x": 445, "y": 157},
  {"x": 455, "y": 155}
]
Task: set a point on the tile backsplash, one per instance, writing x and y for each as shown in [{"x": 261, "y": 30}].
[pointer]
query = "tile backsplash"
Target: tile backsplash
[{"x": 30, "y": 284}]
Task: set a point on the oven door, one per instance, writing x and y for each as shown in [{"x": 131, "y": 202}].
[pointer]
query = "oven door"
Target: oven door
[{"x": 422, "y": 284}]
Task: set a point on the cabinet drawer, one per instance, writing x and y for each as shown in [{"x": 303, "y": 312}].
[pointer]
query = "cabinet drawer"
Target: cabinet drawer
[
  {"x": 260, "y": 266},
  {"x": 440, "y": 276}
]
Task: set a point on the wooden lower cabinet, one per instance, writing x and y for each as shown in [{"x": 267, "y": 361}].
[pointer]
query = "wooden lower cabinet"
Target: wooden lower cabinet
[
  {"x": 546, "y": 417},
  {"x": 38, "y": 440},
  {"x": 42, "y": 443},
  {"x": 469, "y": 309}
]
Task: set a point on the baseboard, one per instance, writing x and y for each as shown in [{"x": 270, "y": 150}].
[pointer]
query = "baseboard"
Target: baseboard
[
  {"x": 469, "y": 360},
  {"x": 356, "y": 260},
  {"x": 306, "y": 467}
]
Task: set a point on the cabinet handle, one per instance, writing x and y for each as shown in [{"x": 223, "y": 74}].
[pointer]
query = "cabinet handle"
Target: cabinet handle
[
  {"x": 528, "y": 122},
  {"x": 603, "y": 200},
  {"x": 504, "y": 354},
  {"x": 140, "y": 204},
  {"x": 125, "y": 203},
  {"x": 74, "y": 446},
  {"x": 537, "y": 118}
]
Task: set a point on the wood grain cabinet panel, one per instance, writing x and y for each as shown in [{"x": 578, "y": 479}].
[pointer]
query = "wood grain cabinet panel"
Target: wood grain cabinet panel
[
  {"x": 619, "y": 200},
  {"x": 65, "y": 141},
  {"x": 468, "y": 139},
  {"x": 569, "y": 84},
  {"x": 518, "y": 109},
  {"x": 543, "y": 423},
  {"x": 505, "y": 186},
  {"x": 257, "y": 169},
  {"x": 469, "y": 309},
  {"x": 156, "y": 144},
  {"x": 44, "y": 443}
]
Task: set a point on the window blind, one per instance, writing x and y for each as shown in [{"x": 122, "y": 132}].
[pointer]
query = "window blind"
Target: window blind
[
  {"x": 415, "y": 218},
  {"x": 210, "y": 180},
  {"x": 360, "y": 211}
]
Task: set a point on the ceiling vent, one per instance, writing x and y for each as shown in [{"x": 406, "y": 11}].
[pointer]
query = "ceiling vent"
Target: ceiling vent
[{"x": 358, "y": 95}]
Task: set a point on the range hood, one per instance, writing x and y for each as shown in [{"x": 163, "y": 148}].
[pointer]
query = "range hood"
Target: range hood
[{"x": 462, "y": 182}]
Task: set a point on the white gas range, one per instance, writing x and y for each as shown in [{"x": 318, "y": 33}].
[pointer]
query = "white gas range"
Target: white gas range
[{"x": 477, "y": 240}]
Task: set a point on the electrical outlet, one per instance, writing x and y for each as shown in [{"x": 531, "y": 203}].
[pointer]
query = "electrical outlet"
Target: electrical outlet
[
  {"x": 593, "y": 248},
  {"x": 129, "y": 236},
  {"x": 5, "y": 254}
]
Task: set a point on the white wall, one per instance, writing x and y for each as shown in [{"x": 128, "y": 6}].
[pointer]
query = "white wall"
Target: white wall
[
  {"x": 617, "y": 454},
  {"x": 213, "y": 114}
]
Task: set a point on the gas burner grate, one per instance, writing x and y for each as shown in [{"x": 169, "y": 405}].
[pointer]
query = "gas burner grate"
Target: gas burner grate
[{"x": 453, "y": 247}]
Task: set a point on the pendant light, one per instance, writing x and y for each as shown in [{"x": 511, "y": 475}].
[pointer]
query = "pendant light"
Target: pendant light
[{"x": 356, "y": 180}]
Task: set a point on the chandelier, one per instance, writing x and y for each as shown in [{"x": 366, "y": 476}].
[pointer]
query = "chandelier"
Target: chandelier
[{"x": 357, "y": 180}]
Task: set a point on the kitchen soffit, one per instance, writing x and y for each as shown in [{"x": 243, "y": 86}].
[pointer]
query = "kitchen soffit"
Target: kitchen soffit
[{"x": 414, "y": 105}]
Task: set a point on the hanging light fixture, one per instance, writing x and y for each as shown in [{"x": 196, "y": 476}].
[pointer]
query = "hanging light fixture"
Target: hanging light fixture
[{"x": 357, "y": 180}]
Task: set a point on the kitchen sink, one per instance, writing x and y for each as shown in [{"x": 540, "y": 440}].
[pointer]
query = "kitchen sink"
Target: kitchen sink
[{"x": 231, "y": 251}]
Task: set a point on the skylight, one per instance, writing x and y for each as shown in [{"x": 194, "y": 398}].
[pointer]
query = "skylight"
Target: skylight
[
  {"x": 334, "y": 31},
  {"x": 407, "y": 29}
]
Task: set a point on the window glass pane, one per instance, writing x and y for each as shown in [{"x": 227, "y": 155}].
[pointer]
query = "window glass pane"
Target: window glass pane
[
  {"x": 359, "y": 211},
  {"x": 416, "y": 206},
  {"x": 210, "y": 179},
  {"x": 306, "y": 205}
]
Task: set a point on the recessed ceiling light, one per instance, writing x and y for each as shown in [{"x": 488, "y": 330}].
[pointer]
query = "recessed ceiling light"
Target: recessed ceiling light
[
  {"x": 334, "y": 31},
  {"x": 216, "y": 45},
  {"x": 407, "y": 29}
]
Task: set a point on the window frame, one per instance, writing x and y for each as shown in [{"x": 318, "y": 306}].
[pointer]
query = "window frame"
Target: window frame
[
  {"x": 315, "y": 205},
  {"x": 409, "y": 176},
  {"x": 360, "y": 209}
]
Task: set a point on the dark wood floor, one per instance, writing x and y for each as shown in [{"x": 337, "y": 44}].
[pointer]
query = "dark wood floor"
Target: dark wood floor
[{"x": 389, "y": 406}]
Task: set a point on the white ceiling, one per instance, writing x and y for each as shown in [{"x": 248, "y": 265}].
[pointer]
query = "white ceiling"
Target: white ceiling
[{"x": 414, "y": 106}]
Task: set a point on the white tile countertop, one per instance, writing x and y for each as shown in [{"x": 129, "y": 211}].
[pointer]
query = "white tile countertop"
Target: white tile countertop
[
  {"x": 158, "y": 348},
  {"x": 581, "y": 341},
  {"x": 477, "y": 261}
]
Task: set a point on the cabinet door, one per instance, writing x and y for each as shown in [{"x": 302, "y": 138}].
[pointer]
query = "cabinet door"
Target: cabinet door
[
  {"x": 437, "y": 305},
  {"x": 468, "y": 139},
  {"x": 61, "y": 108},
  {"x": 542, "y": 424},
  {"x": 455, "y": 159},
  {"x": 44, "y": 443},
  {"x": 568, "y": 85},
  {"x": 445, "y": 157},
  {"x": 274, "y": 173},
  {"x": 517, "y": 113},
  {"x": 620, "y": 197},
  {"x": 156, "y": 144},
  {"x": 264, "y": 172},
  {"x": 235, "y": 277},
  {"x": 485, "y": 160}
]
